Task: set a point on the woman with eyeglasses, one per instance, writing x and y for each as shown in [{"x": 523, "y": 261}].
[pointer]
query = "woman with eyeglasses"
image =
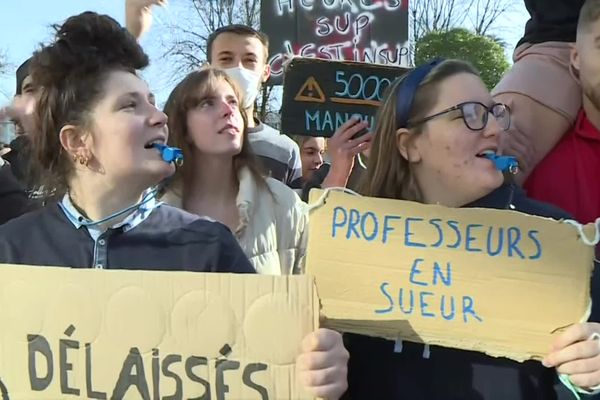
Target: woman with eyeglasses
[{"x": 437, "y": 140}]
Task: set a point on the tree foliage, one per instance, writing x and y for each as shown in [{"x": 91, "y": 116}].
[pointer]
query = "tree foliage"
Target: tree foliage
[{"x": 482, "y": 51}]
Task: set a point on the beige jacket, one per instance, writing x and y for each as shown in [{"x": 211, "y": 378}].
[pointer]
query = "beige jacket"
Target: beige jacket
[{"x": 273, "y": 227}]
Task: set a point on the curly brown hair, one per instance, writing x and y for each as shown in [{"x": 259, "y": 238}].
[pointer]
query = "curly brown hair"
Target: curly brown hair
[{"x": 71, "y": 72}]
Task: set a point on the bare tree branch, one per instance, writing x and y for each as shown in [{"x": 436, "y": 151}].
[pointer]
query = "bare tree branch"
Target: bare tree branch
[
  {"x": 441, "y": 15},
  {"x": 187, "y": 45}
]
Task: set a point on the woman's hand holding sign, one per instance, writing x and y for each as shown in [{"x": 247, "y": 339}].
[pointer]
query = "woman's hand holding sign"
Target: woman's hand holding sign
[
  {"x": 323, "y": 364},
  {"x": 576, "y": 353}
]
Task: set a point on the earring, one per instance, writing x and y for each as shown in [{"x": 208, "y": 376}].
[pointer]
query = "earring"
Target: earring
[{"x": 83, "y": 160}]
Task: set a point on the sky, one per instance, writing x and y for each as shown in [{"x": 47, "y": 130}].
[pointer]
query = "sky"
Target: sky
[{"x": 25, "y": 24}]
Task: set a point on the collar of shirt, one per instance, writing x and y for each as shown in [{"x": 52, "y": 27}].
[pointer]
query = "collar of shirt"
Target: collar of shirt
[
  {"x": 585, "y": 129},
  {"x": 137, "y": 216}
]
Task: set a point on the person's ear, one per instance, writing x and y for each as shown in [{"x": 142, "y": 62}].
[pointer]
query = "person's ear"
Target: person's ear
[
  {"x": 266, "y": 73},
  {"x": 575, "y": 57},
  {"x": 406, "y": 146},
  {"x": 74, "y": 143}
]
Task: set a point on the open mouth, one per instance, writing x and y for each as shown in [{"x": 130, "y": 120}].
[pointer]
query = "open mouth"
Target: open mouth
[
  {"x": 154, "y": 142},
  {"x": 486, "y": 153}
]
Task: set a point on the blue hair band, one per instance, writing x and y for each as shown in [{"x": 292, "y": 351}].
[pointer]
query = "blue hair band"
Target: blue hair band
[{"x": 405, "y": 92}]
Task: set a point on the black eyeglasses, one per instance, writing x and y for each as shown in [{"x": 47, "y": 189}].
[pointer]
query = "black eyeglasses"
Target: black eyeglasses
[{"x": 475, "y": 115}]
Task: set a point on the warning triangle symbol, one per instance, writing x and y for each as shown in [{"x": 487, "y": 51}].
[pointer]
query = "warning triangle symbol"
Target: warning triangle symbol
[{"x": 311, "y": 92}]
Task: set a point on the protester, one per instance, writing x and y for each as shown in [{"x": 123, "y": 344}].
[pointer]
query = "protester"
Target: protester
[
  {"x": 98, "y": 127},
  {"x": 568, "y": 176},
  {"x": 20, "y": 111},
  {"x": 343, "y": 149},
  {"x": 96, "y": 120},
  {"x": 243, "y": 53},
  {"x": 540, "y": 89},
  {"x": 312, "y": 154},
  {"x": 13, "y": 199},
  {"x": 435, "y": 130},
  {"x": 222, "y": 180}
]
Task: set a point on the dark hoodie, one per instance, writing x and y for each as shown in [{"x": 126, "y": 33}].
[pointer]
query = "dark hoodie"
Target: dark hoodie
[
  {"x": 375, "y": 371},
  {"x": 551, "y": 20},
  {"x": 13, "y": 199}
]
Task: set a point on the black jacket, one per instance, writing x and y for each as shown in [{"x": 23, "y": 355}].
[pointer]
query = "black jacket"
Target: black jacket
[
  {"x": 551, "y": 20},
  {"x": 168, "y": 239},
  {"x": 377, "y": 372},
  {"x": 13, "y": 199}
]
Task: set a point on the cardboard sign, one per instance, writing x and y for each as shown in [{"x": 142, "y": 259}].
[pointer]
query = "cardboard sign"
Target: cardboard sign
[
  {"x": 494, "y": 281},
  {"x": 101, "y": 334},
  {"x": 319, "y": 96},
  {"x": 352, "y": 30}
]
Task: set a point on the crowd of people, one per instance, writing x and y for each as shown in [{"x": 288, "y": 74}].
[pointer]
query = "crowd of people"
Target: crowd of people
[{"x": 86, "y": 184}]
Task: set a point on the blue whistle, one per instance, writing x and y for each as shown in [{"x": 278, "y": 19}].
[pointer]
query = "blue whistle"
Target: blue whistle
[
  {"x": 170, "y": 154},
  {"x": 504, "y": 163}
]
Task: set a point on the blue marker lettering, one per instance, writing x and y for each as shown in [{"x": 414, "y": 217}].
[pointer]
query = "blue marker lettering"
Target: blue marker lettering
[
  {"x": 408, "y": 233},
  {"x": 401, "y": 301},
  {"x": 450, "y": 316},
  {"x": 316, "y": 118},
  {"x": 352, "y": 222},
  {"x": 470, "y": 238},
  {"x": 373, "y": 235},
  {"x": 416, "y": 271},
  {"x": 437, "y": 271},
  {"x": 514, "y": 237},
  {"x": 436, "y": 222},
  {"x": 467, "y": 304},
  {"x": 336, "y": 223},
  {"x": 533, "y": 235},
  {"x": 424, "y": 305},
  {"x": 490, "y": 238},
  {"x": 388, "y": 297},
  {"x": 386, "y": 226},
  {"x": 327, "y": 121},
  {"x": 454, "y": 226}
]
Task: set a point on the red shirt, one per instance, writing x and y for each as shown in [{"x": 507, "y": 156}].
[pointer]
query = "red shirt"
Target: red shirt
[{"x": 569, "y": 176}]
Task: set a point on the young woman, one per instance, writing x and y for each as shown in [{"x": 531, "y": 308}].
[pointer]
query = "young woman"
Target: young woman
[
  {"x": 220, "y": 178},
  {"x": 96, "y": 121},
  {"x": 98, "y": 128},
  {"x": 434, "y": 133}
]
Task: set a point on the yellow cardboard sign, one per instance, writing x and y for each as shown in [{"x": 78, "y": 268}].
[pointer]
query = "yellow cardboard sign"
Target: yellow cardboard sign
[
  {"x": 101, "y": 334},
  {"x": 494, "y": 281}
]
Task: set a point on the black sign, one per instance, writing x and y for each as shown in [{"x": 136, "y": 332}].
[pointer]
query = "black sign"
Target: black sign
[
  {"x": 319, "y": 96},
  {"x": 370, "y": 31}
]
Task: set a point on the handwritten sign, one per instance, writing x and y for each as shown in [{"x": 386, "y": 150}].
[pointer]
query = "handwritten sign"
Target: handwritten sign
[
  {"x": 493, "y": 281},
  {"x": 352, "y": 30},
  {"x": 319, "y": 96},
  {"x": 151, "y": 335}
]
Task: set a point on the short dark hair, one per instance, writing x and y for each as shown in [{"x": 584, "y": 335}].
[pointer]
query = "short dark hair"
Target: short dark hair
[
  {"x": 237, "y": 29},
  {"x": 22, "y": 73},
  {"x": 590, "y": 13},
  {"x": 70, "y": 73}
]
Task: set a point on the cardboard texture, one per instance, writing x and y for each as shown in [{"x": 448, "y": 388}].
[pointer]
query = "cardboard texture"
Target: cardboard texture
[
  {"x": 494, "y": 281},
  {"x": 102, "y": 334}
]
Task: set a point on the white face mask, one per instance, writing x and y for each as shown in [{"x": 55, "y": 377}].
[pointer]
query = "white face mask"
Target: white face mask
[{"x": 248, "y": 81}]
